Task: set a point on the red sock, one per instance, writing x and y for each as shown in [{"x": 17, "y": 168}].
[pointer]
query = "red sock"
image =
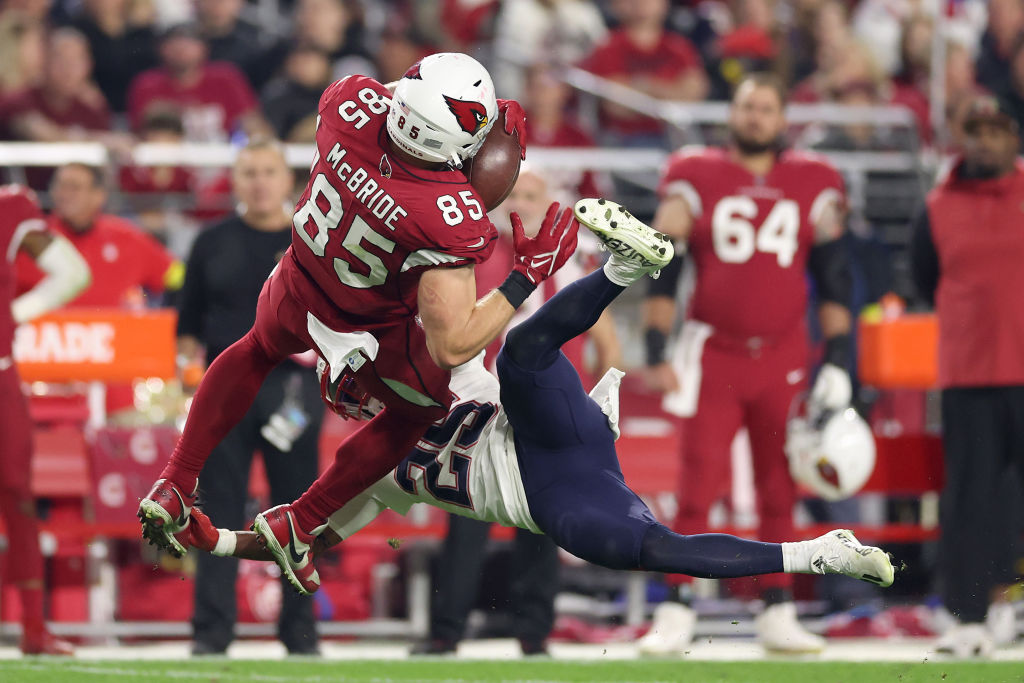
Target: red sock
[
  {"x": 32, "y": 617},
  {"x": 361, "y": 459},
  {"x": 224, "y": 396}
]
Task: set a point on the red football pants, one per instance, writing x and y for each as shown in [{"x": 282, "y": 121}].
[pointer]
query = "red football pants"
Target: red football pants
[
  {"x": 24, "y": 562},
  {"x": 739, "y": 387},
  {"x": 233, "y": 379}
]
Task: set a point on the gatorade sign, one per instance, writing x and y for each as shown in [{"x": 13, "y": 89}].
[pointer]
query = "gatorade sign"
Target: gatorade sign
[{"x": 96, "y": 344}]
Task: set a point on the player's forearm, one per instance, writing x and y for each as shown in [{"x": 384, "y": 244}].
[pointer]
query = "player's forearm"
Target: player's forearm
[
  {"x": 835, "y": 319},
  {"x": 459, "y": 344},
  {"x": 836, "y": 326}
]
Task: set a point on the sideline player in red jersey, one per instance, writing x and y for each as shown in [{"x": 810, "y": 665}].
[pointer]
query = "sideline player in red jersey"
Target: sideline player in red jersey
[
  {"x": 23, "y": 228},
  {"x": 388, "y": 229},
  {"x": 756, "y": 219}
]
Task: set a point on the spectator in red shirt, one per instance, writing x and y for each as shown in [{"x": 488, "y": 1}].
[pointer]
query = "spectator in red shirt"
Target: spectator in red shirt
[
  {"x": 123, "y": 259},
  {"x": 67, "y": 105},
  {"x": 214, "y": 98},
  {"x": 643, "y": 55}
]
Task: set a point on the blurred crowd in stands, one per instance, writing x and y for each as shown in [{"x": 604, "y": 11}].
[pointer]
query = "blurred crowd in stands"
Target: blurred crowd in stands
[{"x": 122, "y": 71}]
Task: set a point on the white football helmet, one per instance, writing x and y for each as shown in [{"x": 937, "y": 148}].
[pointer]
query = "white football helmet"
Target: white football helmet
[
  {"x": 832, "y": 455},
  {"x": 443, "y": 108}
]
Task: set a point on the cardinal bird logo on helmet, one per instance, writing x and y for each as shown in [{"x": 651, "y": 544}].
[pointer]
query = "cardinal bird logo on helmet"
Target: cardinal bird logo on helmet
[
  {"x": 472, "y": 116},
  {"x": 414, "y": 72}
]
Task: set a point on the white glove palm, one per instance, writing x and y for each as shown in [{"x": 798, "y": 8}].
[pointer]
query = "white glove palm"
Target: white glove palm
[{"x": 832, "y": 389}]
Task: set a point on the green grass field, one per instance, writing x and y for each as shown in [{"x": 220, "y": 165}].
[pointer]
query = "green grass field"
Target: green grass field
[{"x": 539, "y": 671}]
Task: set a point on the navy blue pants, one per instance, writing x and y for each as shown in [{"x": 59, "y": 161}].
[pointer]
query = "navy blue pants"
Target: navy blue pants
[{"x": 566, "y": 451}]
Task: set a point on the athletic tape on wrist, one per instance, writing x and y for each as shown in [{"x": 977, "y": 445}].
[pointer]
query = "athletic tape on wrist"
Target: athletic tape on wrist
[{"x": 226, "y": 542}]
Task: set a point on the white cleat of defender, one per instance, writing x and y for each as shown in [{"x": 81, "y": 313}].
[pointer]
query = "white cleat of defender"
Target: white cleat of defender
[
  {"x": 839, "y": 552},
  {"x": 637, "y": 249}
]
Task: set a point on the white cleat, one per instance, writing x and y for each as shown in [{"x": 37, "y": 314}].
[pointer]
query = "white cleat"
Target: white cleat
[
  {"x": 671, "y": 631},
  {"x": 839, "y": 552},
  {"x": 1001, "y": 622},
  {"x": 637, "y": 249},
  {"x": 966, "y": 640},
  {"x": 779, "y": 631}
]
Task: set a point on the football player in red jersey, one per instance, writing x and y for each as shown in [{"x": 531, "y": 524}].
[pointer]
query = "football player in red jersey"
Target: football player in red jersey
[
  {"x": 387, "y": 230},
  {"x": 23, "y": 228},
  {"x": 756, "y": 220}
]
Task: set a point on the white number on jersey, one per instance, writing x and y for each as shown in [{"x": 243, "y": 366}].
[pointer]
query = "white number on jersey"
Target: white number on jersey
[
  {"x": 350, "y": 111},
  {"x": 453, "y": 214},
  {"x": 736, "y": 239},
  {"x": 358, "y": 231}
]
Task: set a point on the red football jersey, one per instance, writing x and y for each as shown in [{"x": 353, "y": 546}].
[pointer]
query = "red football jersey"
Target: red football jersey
[
  {"x": 751, "y": 236},
  {"x": 19, "y": 214},
  {"x": 122, "y": 259},
  {"x": 368, "y": 225}
]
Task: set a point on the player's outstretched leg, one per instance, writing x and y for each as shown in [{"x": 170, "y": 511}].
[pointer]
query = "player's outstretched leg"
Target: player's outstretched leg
[{"x": 720, "y": 556}]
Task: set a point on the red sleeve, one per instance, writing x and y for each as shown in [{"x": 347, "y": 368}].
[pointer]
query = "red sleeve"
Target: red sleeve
[
  {"x": 19, "y": 214},
  {"x": 447, "y": 230},
  {"x": 829, "y": 185},
  {"x": 153, "y": 258},
  {"x": 682, "y": 166}
]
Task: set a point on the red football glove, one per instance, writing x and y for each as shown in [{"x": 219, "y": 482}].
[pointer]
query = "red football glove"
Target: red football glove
[
  {"x": 539, "y": 257},
  {"x": 515, "y": 122},
  {"x": 204, "y": 534}
]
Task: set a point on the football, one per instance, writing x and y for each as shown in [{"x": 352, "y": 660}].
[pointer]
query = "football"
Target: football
[{"x": 494, "y": 169}]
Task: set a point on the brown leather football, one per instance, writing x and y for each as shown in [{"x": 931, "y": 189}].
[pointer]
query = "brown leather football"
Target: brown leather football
[{"x": 494, "y": 169}]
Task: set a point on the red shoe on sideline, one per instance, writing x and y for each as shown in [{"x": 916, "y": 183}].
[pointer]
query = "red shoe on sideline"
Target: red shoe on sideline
[{"x": 45, "y": 643}]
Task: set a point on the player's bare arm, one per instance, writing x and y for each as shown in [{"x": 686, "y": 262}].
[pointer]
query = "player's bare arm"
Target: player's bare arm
[
  {"x": 674, "y": 217},
  {"x": 828, "y": 264},
  {"x": 245, "y": 545},
  {"x": 458, "y": 326}
]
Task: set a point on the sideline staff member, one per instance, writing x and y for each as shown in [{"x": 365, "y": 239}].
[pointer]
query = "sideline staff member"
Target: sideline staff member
[
  {"x": 227, "y": 268},
  {"x": 967, "y": 253}
]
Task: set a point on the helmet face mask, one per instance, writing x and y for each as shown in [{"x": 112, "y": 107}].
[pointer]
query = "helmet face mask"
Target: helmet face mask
[
  {"x": 443, "y": 109},
  {"x": 833, "y": 455},
  {"x": 343, "y": 395}
]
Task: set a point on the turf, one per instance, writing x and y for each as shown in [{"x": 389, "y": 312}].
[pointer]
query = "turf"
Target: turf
[{"x": 538, "y": 671}]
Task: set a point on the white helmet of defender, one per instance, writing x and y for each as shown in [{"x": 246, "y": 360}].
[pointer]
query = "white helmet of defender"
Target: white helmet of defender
[
  {"x": 443, "y": 108},
  {"x": 832, "y": 455}
]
